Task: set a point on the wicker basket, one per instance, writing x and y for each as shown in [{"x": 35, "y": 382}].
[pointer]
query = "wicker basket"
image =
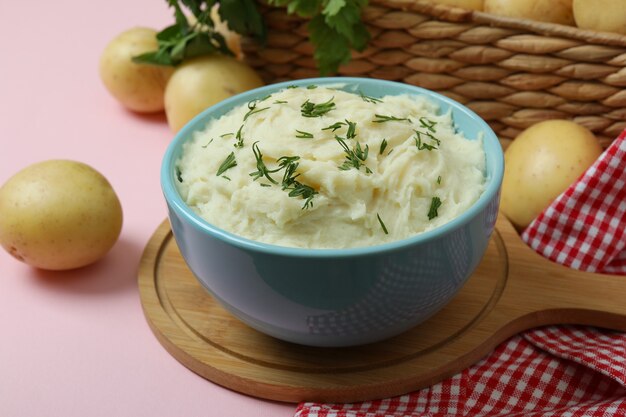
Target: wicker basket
[{"x": 512, "y": 72}]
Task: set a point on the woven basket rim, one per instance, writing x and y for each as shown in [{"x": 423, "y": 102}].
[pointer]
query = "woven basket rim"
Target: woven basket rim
[{"x": 457, "y": 14}]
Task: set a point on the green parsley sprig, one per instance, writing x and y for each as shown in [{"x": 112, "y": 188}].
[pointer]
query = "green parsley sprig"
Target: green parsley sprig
[
  {"x": 335, "y": 28},
  {"x": 184, "y": 40}
]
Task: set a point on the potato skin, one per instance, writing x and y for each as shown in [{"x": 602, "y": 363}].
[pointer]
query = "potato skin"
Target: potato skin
[
  {"x": 554, "y": 11},
  {"x": 601, "y": 15},
  {"x": 465, "y": 4},
  {"x": 138, "y": 87},
  {"x": 59, "y": 215},
  {"x": 541, "y": 163},
  {"x": 202, "y": 82}
]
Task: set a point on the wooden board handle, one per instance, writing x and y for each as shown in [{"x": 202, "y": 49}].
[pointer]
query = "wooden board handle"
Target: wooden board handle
[{"x": 541, "y": 292}]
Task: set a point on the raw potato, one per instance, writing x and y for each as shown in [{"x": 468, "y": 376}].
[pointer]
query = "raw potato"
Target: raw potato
[
  {"x": 138, "y": 87},
  {"x": 58, "y": 215},
  {"x": 541, "y": 163},
  {"x": 465, "y": 4},
  {"x": 203, "y": 82},
  {"x": 601, "y": 15},
  {"x": 554, "y": 11}
]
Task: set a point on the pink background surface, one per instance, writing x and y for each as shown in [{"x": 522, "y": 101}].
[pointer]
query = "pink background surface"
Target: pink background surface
[{"x": 76, "y": 343}]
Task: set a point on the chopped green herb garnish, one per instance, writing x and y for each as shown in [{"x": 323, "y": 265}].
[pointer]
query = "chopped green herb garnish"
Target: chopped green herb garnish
[
  {"x": 334, "y": 126},
  {"x": 292, "y": 86},
  {"x": 204, "y": 146},
  {"x": 280, "y": 102},
  {"x": 434, "y": 206},
  {"x": 311, "y": 87},
  {"x": 239, "y": 137},
  {"x": 309, "y": 109},
  {"x": 228, "y": 163},
  {"x": 383, "y": 146},
  {"x": 351, "y": 129},
  {"x": 253, "y": 110},
  {"x": 354, "y": 157},
  {"x": 423, "y": 145},
  {"x": 289, "y": 183},
  {"x": 304, "y": 135},
  {"x": 428, "y": 124},
  {"x": 383, "y": 119},
  {"x": 439, "y": 179},
  {"x": 179, "y": 175},
  {"x": 382, "y": 224},
  {"x": 262, "y": 170},
  {"x": 226, "y": 135},
  {"x": 225, "y": 177},
  {"x": 265, "y": 98},
  {"x": 369, "y": 99}
]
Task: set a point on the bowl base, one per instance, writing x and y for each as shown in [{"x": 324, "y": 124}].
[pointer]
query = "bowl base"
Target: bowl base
[{"x": 197, "y": 331}]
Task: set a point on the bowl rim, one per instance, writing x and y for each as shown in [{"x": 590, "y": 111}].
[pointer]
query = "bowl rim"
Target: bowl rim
[{"x": 176, "y": 203}]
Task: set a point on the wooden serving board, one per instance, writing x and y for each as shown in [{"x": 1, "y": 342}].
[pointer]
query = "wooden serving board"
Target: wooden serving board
[{"x": 512, "y": 290}]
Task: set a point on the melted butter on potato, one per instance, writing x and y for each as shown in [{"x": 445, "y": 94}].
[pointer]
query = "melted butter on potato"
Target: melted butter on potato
[{"x": 541, "y": 163}]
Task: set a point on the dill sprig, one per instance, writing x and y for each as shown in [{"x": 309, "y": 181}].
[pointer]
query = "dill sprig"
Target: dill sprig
[
  {"x": 252, "y": 108},
  {"x": 208, "y": 143},
  {"x": 351, "y": 134},
  {"x": 382, "y": 224},
  {"x": 239, "y": 137},
  {"x": 423, "y": 145},
  {"x": 310, "y": 109},
  {"x": 289, "y": 182},
  {"x": 380, "y": 118},
  {"x": 369, "y": 99},
  {"x": 262, "y": 170},
  {"x": 355, "y": 157},
  {"x": 434, "y": 206},
  {"x": 383, "y": 146},
  {"x": 304, "y": 135},
  {"x": 428, "y": 124},
  {"x": 228, "y": 163},
  {"x": 226, "y": 134},
  {"x": 334, "y": 126}
]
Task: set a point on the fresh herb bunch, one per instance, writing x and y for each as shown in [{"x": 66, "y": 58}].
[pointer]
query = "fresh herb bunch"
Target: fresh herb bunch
[
  {"x": 184, "y": 40},
  {"x": 335, "y": 28}
]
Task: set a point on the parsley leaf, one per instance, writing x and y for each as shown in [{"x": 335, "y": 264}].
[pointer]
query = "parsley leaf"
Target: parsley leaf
[
  {"x": 184, "y": 40},
  {"x": 335, "y": 28}
]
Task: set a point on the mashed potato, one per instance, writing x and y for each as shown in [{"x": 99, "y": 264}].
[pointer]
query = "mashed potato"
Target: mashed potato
[{"x": 323, "y": 168}]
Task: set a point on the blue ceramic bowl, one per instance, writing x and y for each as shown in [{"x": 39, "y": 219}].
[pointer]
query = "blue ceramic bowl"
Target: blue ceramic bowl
[{"x": 336, "y": 297}]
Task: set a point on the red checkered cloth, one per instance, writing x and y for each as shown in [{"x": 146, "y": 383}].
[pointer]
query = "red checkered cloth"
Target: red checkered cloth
[{"x": 564, "y": 371}]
